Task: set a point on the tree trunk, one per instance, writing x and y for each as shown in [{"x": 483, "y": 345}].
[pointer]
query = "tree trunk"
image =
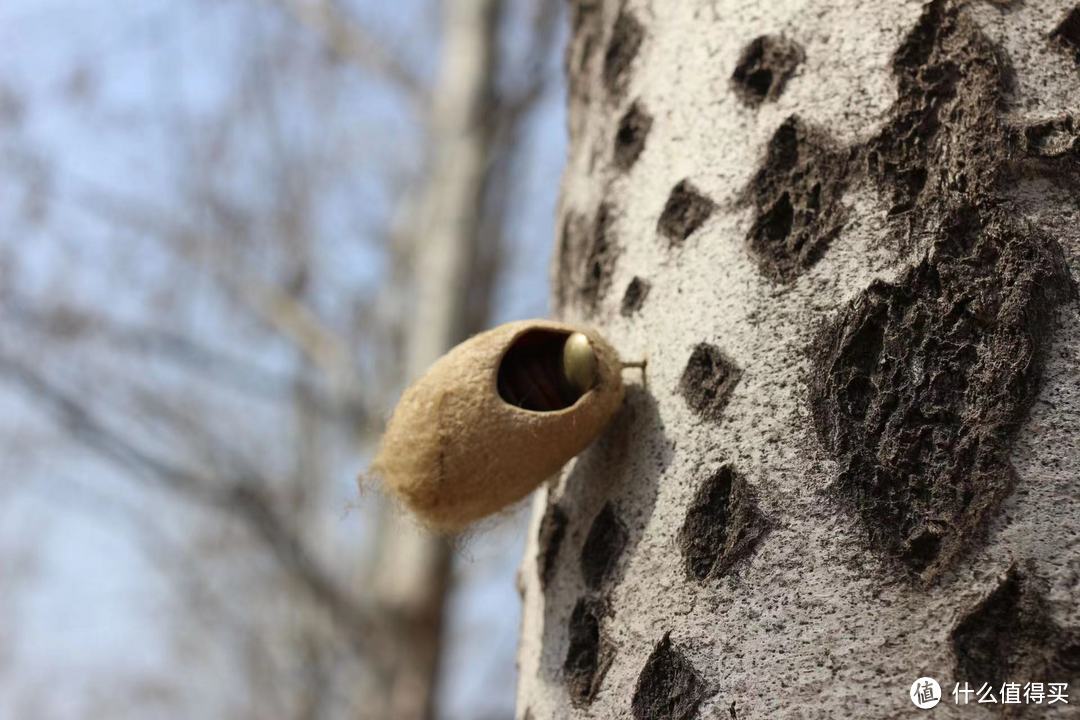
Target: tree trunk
[
  {"x": 413, "y": 578},
  {"x": 841, "y": 233}
]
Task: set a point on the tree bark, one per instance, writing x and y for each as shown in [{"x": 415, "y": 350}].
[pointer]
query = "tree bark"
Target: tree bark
[
  {"x": 413, "y": 577},
  {"x": 844, "y": 235}
]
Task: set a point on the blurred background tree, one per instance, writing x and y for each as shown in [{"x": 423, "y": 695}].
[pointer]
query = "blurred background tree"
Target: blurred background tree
[{"x": 229, "y": 234}]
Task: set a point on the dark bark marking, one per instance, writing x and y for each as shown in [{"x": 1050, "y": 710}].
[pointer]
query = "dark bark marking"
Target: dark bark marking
[
  {"x": 1067, "y": 33},
  {"x": 669, "y": 686},
  {"x": 626, "y": 38},
  {"x": 945, "y": 138},
  {"x": 796, "y": 195},
  {"x": 685, "y": 211},
  {"x": 921, "y": 384},
  {"x": 572, "y": 241},
  {"x": 603, "y": 547},
  {"x": 600, "y": 262},
  {"x": 764, "y": 67},
  {"x": 585, "y": 19},
  {"x": 1010, "y": 635},
  {"x": 723, "y": 525},
  {"x": 549, "y": 540},
  {"x": 580, "y": 60},
  {"x": 634, "y": 127},
  {"x": 1051, "y": 139},
  {"x": 707, "y": 381},
  {"x": 634, "y": 297},
  {"x": 589, "y": 654}
]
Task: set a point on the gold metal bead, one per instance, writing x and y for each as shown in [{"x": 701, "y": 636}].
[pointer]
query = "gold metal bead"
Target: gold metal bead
[
  {"x": 495, "y": 417},
  {"x": 579, "y": 362}
]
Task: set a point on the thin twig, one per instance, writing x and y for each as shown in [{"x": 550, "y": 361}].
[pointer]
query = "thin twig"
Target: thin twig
[{"x": 239, "y": 497}]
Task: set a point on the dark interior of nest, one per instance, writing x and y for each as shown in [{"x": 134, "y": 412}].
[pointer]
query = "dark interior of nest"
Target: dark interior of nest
[{"x": 531, "y": 372}]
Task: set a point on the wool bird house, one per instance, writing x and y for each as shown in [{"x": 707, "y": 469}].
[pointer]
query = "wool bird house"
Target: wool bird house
[{"x": 495, "y": 417}]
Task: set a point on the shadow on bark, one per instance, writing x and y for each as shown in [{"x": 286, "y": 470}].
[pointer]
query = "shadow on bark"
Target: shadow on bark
[{"x": 610, "y": 492}]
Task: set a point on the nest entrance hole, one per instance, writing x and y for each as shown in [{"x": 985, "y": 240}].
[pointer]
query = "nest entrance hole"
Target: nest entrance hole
[{"x": 531, "y": 374}]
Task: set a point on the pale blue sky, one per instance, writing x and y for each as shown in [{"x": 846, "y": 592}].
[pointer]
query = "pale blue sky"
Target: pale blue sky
[{"x": 113, "y": 96}]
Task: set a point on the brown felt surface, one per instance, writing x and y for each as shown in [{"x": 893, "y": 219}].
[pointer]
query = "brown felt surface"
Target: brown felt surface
[{"x": 454, "y": 451}]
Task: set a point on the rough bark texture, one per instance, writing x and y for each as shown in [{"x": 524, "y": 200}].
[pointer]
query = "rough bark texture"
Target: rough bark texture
[{"x": 844, "y": 234}]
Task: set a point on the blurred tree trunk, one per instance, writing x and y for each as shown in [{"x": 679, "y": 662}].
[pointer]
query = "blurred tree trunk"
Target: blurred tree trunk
[
  {"x": 446, "y": 245},
  {"x": 841, "y": 234}
]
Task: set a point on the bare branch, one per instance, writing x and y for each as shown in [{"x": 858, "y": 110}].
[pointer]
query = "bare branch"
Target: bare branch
[
  {"x": 350, "y": 41},
  {"x": 283, "y": 312},
  {"x": 239, "y": 497},
  {"x": 65, "y": 323}
]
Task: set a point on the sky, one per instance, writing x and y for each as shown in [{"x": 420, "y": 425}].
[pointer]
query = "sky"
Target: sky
[{"x": 112, "y": 98}]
